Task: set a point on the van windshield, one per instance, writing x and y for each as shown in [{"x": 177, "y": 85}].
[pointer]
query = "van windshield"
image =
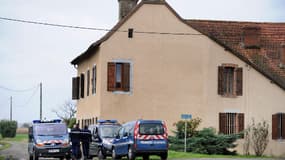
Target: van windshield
[
  {"x": 109, "y": 131},
  {"x": 50, "y": 129},
  {"x": 151, "y": 129}
]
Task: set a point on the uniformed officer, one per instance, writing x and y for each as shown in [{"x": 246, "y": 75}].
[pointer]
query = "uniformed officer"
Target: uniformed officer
[
  {"x": 86, "y": 139},
  {"x": 75, "y": 140}
]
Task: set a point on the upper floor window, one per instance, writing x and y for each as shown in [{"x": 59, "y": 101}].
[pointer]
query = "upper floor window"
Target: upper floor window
[
  {"x": 229, "y": 80},
  {"x": 278, "y": 126},
  {"x": 118, "y": 76},
  {"x": 231, "y": 123},
  {"x": 94, "y": 79}
]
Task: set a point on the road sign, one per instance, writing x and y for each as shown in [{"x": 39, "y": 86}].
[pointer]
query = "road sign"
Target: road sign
[{"x": 186, "y": 116}]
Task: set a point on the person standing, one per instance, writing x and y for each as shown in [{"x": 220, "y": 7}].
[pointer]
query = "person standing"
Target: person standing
[
  {"x": 86, "y": 139},
  {"x": 75, "y": 140}
]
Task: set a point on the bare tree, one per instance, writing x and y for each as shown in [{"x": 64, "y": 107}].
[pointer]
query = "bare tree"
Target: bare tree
[{"x": 66, "y": 112}]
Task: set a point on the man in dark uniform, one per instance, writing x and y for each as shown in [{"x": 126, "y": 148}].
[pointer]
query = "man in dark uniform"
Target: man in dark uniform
[
  {"x": 75, "y": 140},
  {"x": 86, "y": 139}
]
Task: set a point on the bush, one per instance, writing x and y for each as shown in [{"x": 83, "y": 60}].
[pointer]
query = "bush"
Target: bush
[
  {"x": 192, "y": 126},
  {"x": 8, "y": 128},
  {"x": 208, "y": 142}
]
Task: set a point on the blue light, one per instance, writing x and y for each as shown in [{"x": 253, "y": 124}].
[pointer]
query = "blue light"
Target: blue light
[
  {"x": 36, "y": 121},
  {"x": 107, "y": 121}
]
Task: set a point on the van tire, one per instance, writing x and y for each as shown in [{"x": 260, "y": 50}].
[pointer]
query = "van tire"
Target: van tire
[
  {"x": 164, "y": 156},
  {"x": 31, "y": 157},
  {"x": 101, "y": 155},
  {"x": 35, "y": 156},
  {"x": 114, "y": 155},
  {"x": 131, "y": 154}
]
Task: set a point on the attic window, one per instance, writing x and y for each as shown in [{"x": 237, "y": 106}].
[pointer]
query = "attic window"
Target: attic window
[{"x": 251, "y": 37}]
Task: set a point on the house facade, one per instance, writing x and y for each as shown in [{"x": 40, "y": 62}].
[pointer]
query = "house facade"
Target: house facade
[{"x": 155, "y": 65}]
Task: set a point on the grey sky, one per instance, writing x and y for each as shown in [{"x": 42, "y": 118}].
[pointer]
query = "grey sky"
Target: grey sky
[{"x": 31, "y": 54}]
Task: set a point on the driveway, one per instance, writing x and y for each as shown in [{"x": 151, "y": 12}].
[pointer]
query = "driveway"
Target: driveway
[{"x": 17, "y": 151}]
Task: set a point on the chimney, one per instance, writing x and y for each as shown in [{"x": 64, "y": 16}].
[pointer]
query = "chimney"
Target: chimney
[
  {"x": 251, "y": 37},
  {"x": 125, "y": 6}
]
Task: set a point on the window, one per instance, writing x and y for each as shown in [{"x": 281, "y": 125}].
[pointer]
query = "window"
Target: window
[
  {"x": 118, "y": 76},
  {"x": 88, "y": 82},
  {"x": 94, "y": 79},
  {"x": 75, "y": 87},
  {"x": 278, "y": 126},
  {"x": 231, "y": 123},
  {"x": 82, "y": 85},
  {"x": 230, "y": 80}
]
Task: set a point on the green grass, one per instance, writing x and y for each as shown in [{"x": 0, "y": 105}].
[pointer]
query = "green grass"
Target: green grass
[
  {"x": 4, "y": 145},
  {"x": 18, "y": 138},
  {"x": 2, "y": 158}
]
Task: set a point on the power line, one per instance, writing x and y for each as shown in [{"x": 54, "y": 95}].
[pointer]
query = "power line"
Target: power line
[
  {"x": 94, "y": 29},
  {"x": 30, "y": 98},
  {"x": 18, "y": 90}
]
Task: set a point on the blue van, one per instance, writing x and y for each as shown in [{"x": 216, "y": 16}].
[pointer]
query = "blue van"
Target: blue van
[{"x": 141, "y": 138}]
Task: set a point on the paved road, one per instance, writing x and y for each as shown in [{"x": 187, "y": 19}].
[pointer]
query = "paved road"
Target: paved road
[{"x": 18, "y": 151}]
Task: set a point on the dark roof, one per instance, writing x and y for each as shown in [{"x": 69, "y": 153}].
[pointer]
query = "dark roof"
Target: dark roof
[
  {"x": 229, "y": 34},
  {"x": 265, "y": 59}
]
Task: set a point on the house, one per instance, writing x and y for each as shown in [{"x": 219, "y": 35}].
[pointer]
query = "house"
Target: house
[{"x": 156, "y": 65}]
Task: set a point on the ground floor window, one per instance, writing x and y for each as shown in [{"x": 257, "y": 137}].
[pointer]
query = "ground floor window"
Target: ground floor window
[
  {"x": 231, "y": 123},
  {"x": 278, "y": 126}
]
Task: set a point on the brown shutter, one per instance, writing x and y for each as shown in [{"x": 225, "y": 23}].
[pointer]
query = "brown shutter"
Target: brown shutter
[
  {"x": 126, "y": 77},
  {"x": 88, "y": 82},
  {"x": 221, "y": 80},
  {"x": 75, "y": 88},
  {"x": 275, "y": 126},
  {"x": 222, "y": 122},
  {"x": 82, "y": 80},
  {"x": 111, "y": 76},
  {"x": 283, "y": 125},
  {"x": 239, "y": 81},
  {"x": 241, "y": 123}
]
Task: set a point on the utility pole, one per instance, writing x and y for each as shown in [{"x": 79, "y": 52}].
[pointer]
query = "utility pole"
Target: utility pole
[
  {"x": 11, "y": 108},
  {"x": 41, "y": 101}
]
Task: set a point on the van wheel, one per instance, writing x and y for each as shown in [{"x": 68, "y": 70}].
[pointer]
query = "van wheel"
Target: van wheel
[
  {"x": 35, "y": 156},
  {"x": 146, "y": 157},
  {"x": 131, "y": 154},
  {"x": 101, "y": 155},
  {"x": 164, "y": 156},
  {"x": 31, "y": 157},
  {"x": 114, "y": 155}
]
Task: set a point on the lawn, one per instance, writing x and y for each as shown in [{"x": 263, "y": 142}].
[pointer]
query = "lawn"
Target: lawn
[{"x": 18, "y": 138}]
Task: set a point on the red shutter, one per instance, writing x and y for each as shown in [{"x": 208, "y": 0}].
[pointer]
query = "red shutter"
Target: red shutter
[
  {"x": 222, "y": 123},
  {"x": 275, "y": 126},
  {"x": 75, "y": 88},
  {"x": 126, "y": 77},
  {"x": 221, "y": 80},
  {"x": 239, "y": 81},
  {"x": 241, "y": 123},
  {"x": 283, "y": 125},
  {"x": 111, "y": 76}
]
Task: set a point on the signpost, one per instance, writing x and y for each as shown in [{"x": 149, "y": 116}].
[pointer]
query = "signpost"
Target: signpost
[{"x": 185, "y": 117}]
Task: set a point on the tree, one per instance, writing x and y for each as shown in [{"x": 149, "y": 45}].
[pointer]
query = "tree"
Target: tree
[
  {"x": 191, "y": 130},
  {"x": 259, "y": 136},
  {"x": 67, "y": 112}
]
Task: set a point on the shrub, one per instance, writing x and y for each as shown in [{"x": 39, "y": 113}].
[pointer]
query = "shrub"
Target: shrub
[
  {"x": 208, "y": 142},
  {"x": 8, "y": 128},
  {"x": 259, "y": 136},
  {"x": 192, "y": 126}
]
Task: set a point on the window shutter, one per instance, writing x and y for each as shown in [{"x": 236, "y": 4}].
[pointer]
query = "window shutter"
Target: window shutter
[
  {"x": 88, "y": 82},
  {"x": 111, "y": 76},
  {"x": 221, "y": 80},
  {"x": 283, "y": 125},
  {"x": 94, "y": 79},
  {"x": 126, "y": 77},
  {"x": 275, "y": 126},
  {"x": 75, "y": 88},
  {"x": 222, "y": 122},
  {"x": 82, "y": 85},
  {"x": 239, "y": 81},
  {"x": 241, "y": 123}
]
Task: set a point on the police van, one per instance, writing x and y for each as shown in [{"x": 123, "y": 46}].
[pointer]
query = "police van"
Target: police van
[
  {"x": 141, "y": 138},
  {"x": 48, "y": 139},
  {"x": 103, "y": 135}
]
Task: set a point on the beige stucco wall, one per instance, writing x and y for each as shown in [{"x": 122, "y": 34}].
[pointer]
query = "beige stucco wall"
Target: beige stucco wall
[{"x": 173, "y": 74}]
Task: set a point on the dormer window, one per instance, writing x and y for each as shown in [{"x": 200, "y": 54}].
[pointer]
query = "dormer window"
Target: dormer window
[{"x": 251, "y": 37}]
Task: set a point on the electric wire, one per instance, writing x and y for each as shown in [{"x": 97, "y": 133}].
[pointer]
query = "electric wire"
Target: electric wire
[
  {"x": 94, "y": 29},
  {"x": 30, "y": 98},
  {"x": 18, "y": 90}
]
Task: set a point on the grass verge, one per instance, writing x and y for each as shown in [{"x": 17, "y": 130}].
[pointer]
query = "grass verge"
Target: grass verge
[
  {"x": 18, "y": 138},
  {"x": 4, "y": 145}
]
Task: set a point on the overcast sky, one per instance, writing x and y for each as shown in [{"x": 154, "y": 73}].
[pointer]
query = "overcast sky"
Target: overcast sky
[{"x": 30, "y": 54}]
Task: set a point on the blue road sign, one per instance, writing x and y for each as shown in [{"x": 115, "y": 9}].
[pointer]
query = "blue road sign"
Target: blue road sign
[{"x": 186, "y": 116}]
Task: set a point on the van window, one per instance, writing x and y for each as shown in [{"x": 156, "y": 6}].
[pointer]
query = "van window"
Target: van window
[
  {"x": 50, "y": 129},
  {"x": 151, "y": 129},
  {"x": 109, "y": 131}
]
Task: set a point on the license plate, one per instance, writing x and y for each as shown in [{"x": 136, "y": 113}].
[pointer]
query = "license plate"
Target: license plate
[{"x": 53, "y": 151}]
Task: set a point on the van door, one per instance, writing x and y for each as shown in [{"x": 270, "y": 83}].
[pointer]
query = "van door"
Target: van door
[
  {"x": 152, "y": 137},
  {"x": 121, "y": 142}
]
